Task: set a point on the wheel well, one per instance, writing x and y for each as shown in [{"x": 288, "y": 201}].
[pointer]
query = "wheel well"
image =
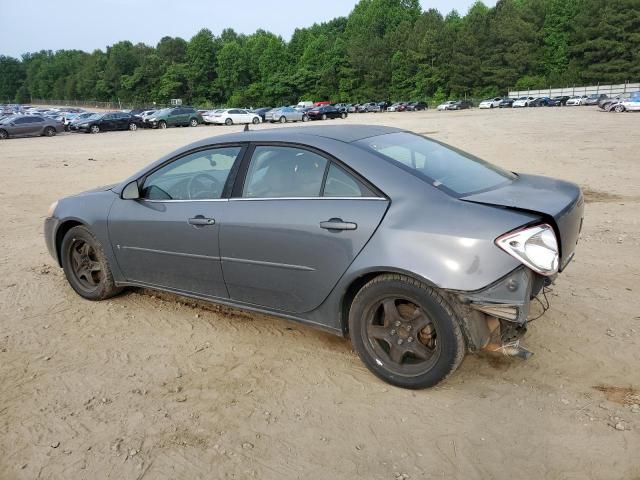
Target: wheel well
[
  {"x": 62, "y": 231},
  {"x": 357, "y": 284}
]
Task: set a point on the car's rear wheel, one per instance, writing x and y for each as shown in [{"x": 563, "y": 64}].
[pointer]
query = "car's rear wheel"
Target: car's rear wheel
[
  {"x": 193, "y": 122},
  {"x": 133, "y": 127},
  {"x": 255, "y": 120},
  {"x": 405, "y": 332},
  {"x": 343, "y": 115},
  {"x": 94, "y": 129},
  {"x": 3, "y": 135},
  {"x": 283, "y": 119},
  {"x": 49, "y": 132},
  {"x": 228, "y": 122},
  {"x": 85, "y": 265},
  {"x": 305, "y": 118},
  {"x": 324, "y": 116},
  {"x": 162, "y": 124}
]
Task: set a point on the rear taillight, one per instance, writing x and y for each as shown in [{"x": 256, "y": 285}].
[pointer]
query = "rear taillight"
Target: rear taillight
[{"x": 536, "y": 247}]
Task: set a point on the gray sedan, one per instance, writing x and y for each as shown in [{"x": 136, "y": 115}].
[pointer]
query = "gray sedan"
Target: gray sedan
[
  {"x": 286, "y": 114},
  {"x": 29, "y": 126},
  {"x": 416, "y": 250}
]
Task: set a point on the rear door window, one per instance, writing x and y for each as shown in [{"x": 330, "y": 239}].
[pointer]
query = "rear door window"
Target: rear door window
[
  {"x": 340, "y": 183},
  {"x": 284, "y": 172}
]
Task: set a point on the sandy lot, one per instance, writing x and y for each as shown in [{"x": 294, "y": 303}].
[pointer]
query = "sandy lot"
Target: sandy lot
[{"x": 151, "y": 386}]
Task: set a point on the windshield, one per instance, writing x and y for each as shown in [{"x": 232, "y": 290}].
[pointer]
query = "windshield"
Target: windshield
[{"x": 444, "y": 167}]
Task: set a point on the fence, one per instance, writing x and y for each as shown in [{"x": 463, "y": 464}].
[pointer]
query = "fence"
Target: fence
[
  {"x": 88, "y": 104},
  {"x": 610, "y": 90}
]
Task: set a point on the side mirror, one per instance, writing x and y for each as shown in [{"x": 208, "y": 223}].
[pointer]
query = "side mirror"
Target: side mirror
[{"x": 131, "y": 191}]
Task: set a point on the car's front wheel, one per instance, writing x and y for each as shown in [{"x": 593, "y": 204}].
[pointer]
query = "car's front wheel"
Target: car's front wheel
[
  {"x": 255, "y": 120},
  {"x": 3, "y": 134},
  {"x": 228, "y": 122},
  {"x": 85, "y": 265},
  {"x": 193, "y": 122},
  {"x": 283, "y": 119},
  {"x": 405, "y": 332},
  {"x": 619, "y": 108},
  {"x": 94, "y": 129},
  {"x": 162, "y": 124},
  {"x": 133, "y": 127}
]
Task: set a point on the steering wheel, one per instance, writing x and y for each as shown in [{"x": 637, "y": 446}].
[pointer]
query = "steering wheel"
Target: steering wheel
[{"x": 203, "y": 186}]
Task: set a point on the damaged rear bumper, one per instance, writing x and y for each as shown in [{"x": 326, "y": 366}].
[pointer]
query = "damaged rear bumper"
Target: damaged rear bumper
[
  {"x": 510, "y": 297},
  {"x": 495, "y": 318}
]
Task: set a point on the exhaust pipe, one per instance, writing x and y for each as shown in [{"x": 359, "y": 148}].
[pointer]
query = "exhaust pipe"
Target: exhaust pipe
[
  {"x": 511, "y": 349},
  {"x": 497, "y": 345}
]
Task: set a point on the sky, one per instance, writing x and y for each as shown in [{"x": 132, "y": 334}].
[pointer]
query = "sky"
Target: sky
[{"x": 25, "y": 26}]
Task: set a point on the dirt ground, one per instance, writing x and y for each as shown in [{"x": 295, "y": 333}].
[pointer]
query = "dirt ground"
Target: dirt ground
[{"x": 151, "y": 386}]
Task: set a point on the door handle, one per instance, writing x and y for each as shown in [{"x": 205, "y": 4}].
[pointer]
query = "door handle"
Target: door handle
[
  {"x": 200, "y": 221},
  {"x": 338, "y": 224}
]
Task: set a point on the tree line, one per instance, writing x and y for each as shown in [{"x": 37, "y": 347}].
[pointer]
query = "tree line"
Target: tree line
[{"x": 384, "y": 50}]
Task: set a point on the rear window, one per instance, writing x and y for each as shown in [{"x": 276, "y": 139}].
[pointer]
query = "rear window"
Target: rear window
[{"x": 457, "y": 173}]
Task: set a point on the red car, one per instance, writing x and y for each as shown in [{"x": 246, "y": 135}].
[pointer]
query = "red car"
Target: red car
[{"x": 320, "y": 104}]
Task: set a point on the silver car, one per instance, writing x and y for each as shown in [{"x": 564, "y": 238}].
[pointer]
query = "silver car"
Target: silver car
[
  {"x": 286, "y": 114},
  {"x": 29, "y": 126},
  {"x": 418, "y": 251}
]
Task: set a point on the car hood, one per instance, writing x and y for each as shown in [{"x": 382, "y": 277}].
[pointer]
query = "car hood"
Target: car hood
[
  {"x": 103, "y": 188},
  {"x": 559, "y": 201}
]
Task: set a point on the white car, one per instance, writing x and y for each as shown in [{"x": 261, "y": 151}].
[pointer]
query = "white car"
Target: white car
[
  {"x": 490, "y": 102},
  {"x": 446, "y": 105},
  {"x": 627, "y": 105},
  {"x": 522, "y": 102},
  {"x": 577, "y": 100},
  {"x": 208, "y": 116},
  {"x": 231, "y": 116},
  {"x": 146, "y": 114}
]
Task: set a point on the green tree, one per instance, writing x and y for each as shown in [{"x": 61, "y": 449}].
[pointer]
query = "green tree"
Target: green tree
[{"x": 12, "y": 78}]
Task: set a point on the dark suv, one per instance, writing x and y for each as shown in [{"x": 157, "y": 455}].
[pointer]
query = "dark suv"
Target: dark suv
[{"x": 174, "y": 117}]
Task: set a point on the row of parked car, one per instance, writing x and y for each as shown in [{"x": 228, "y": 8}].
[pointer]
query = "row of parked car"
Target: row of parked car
[
  {"x": 18, "y": 120},
  {"x": 622, "y": 103}
]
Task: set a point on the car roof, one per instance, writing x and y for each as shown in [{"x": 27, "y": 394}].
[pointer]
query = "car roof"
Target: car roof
[{"x": 341, "y": 133}]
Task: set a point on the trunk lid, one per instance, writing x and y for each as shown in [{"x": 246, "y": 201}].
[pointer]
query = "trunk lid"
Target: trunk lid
[{"x": 561, "y": 202}]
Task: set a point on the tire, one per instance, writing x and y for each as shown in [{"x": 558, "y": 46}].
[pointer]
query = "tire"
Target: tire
[
  {"x": 619, "y": 108},
  {"x": 101, "y": 286},
  {"x": 193, "y": 122},
  {"x": 133, "y": 127},
  {"x": 4, "y": 135},
  {"x": 324, "y": 116},
  {"x": 255, "y": 120},
  {"x": 162, "y": 124},
  {"x": 305, "y": 118},
  {"x": 283, "y": 119},
  {"x": 228, "y": 122},
  {"x": 436, "y": 332},
  {"x": 94, "y": 129},
  {"x": 49, "y": 132},
  {"x": 491, "y": 106},
  {"x": 343, "y": 115}
]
